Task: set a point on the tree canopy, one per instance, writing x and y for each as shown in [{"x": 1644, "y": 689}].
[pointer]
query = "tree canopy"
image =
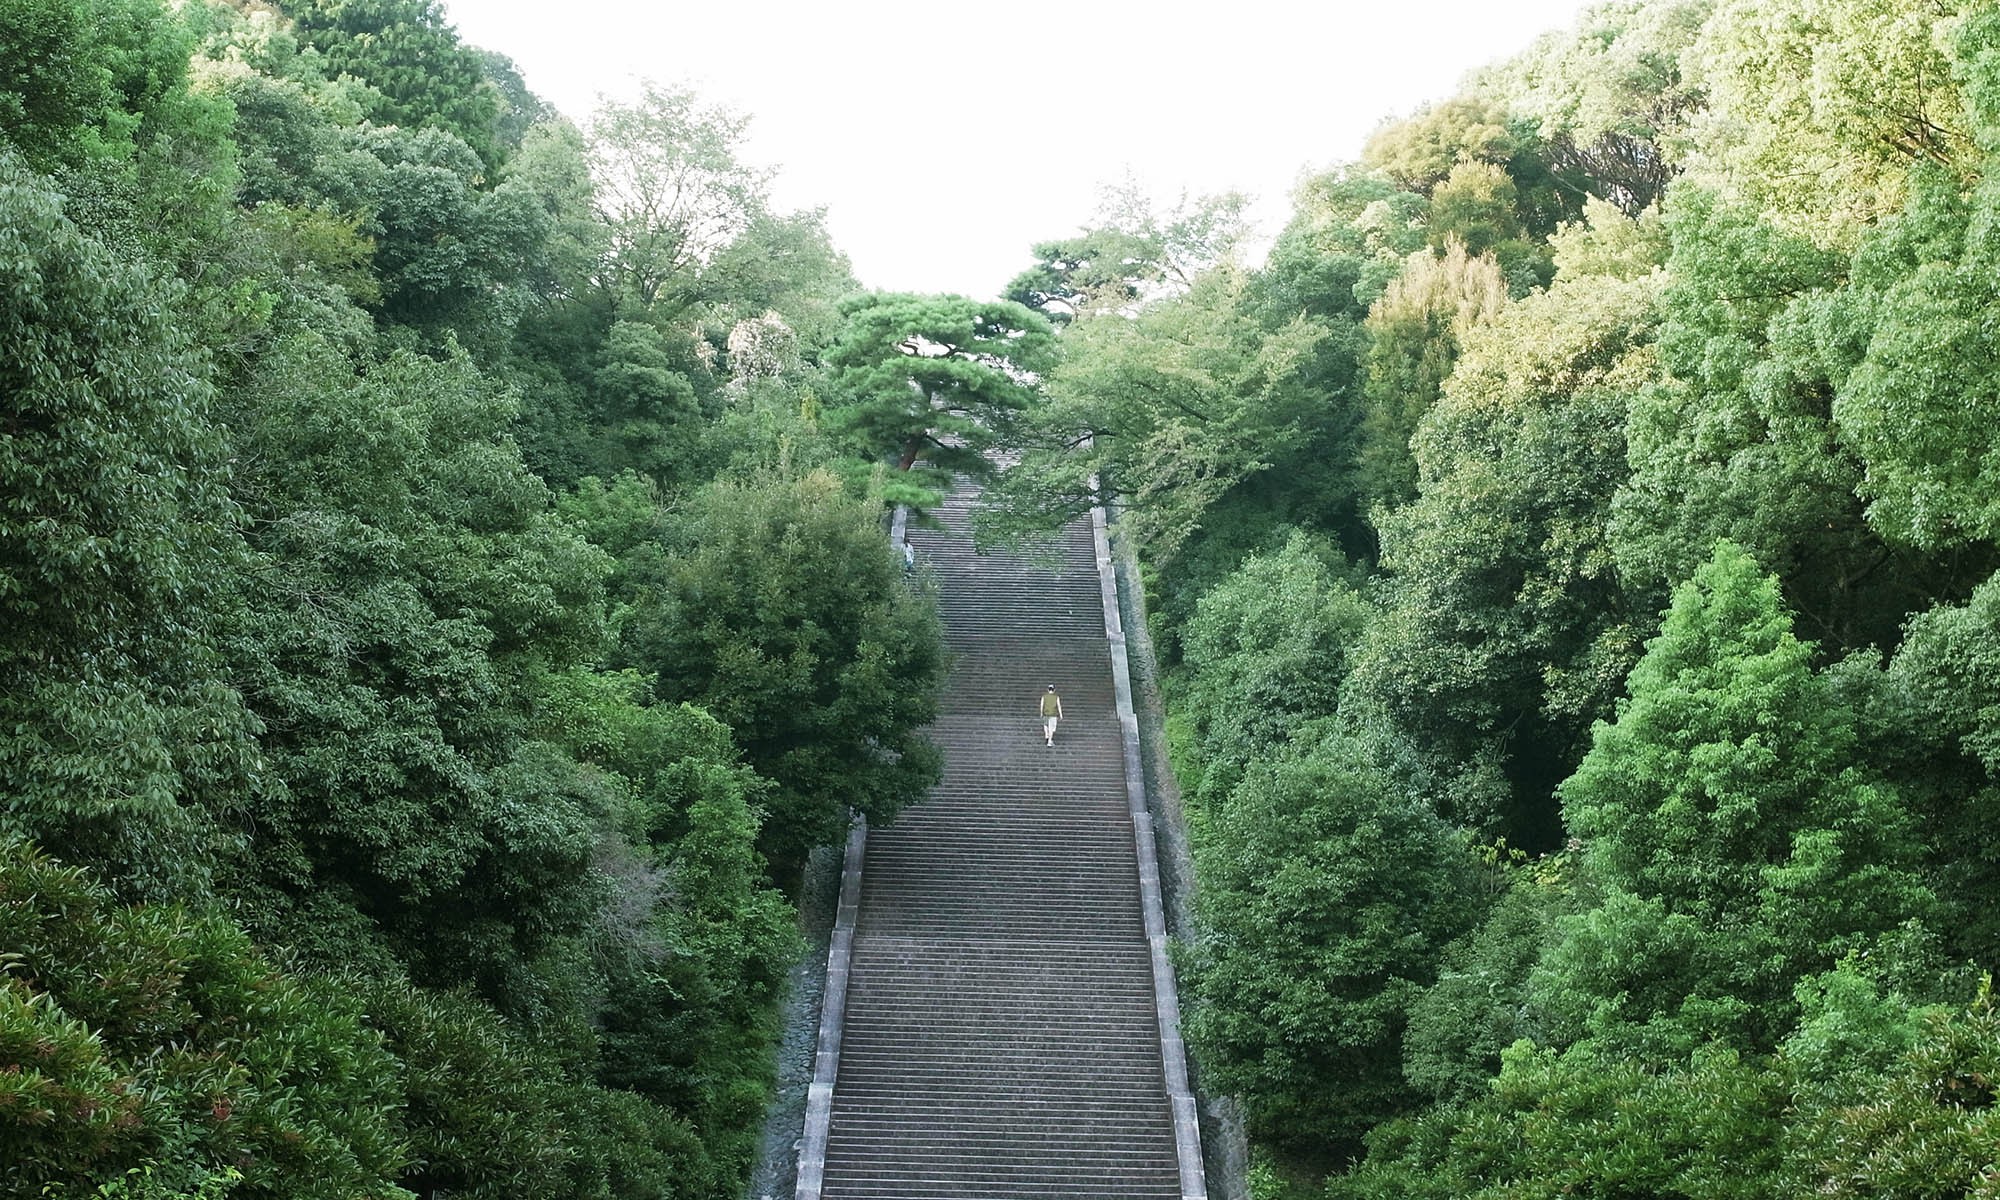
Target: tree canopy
[
  {"x": 360, "y": 545},
  {"x": 941, "y": 379},
  {"x": 1596, "y": 475}
]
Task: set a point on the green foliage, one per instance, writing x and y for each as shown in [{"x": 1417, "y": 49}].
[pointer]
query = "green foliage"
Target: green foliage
[
  {"x": 1415, "y": 331},
  {"x": 624, "y": 518},
  {"x": 1916, "y": 407},
  {"x": 1612, "y": 98},
  {"x": 1325, "y": 897},
  {"x": 1975, "y": 68},
  {"x": 79, "y": 78},
  {"x": 1474, "y": 207},
  {"x": 293, "y": 630},
  {"x": 1607, "y": 244},
  {"x": 553, "y": 165},
  {"x": 159, "y": 1035},
  {"x": 671, "y": 192},
  {"x": 696, "y": 943},
  {"x": 1419, "y": 151},
  {"x": 444, "y": 248},
  {"x": 780, "y": 608},
  {"x": 123, "y": 738},
  {"x": 1931, "y": 723},
  {"x": 290, "y": 620},
  {"x": 1264, "y": 656},
  {"x": 1708, "y": 1126},
  {"x": 1237, "y": 526},
  {"x": 784, "y": 268},
  {"x": 1486, "y": 171},
  {"x": 1736, "y": 440},
  {"x": 411, "y": 581},
  {"x": 419, "y": 74},
  {"x": 1951, "y": 664},
  {"x": 1182, "y": 405},
  {"x": 1816, "y": 111},
  {"x": 492, "y": 1114},
  {"x": 1098, "y": 269},
  {"x": 1925, "y": 1128},
  {"x": 938, "y": 378},
  {"x": 1851, "y": 1033},
  {"x": 291, "y": 130},
  {"x": 1870, "y": 1097},
  {"x": 692, "y": 1023},
  {"x": 649, "y": 410},
  {"x": 1739, "y": 844},
  {"x": 142, "y": 1183},
  {"x": 1479, "y": 1005},
  {"x": 1131, "y": 252},
  {"x": 1583, "y": 1124},
  {"x": 1777, "y": 851},
  {"x": 1505, "y": 628},
  {"x": 519, "y": 109},
  {"x": 1349, "y": 235},
  {"x": 710, "y": 375}
]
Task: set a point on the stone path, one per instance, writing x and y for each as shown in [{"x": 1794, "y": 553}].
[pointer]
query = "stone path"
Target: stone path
[{"x": 1002, "y": 1033}]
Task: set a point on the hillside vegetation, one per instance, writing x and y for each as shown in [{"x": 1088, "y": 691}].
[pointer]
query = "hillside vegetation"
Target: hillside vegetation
[
  {"x": 444, "y": 601},
  {"x": 435, "y": 623},
  {"x": 1574, "y": 551}
]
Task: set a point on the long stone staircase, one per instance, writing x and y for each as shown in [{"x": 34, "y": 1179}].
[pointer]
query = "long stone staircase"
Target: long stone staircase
[{"x": 1002, "y": 1030}]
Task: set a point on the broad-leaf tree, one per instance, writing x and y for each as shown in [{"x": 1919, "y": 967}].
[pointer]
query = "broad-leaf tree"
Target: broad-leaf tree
[
  {"x": 1325, "y": 898},
  {"x": 671, "y": 191},
  {"x": 780, "y": 608},
  {"x": 1504, "y": 631},
  {"x": 121, "y": 738}
]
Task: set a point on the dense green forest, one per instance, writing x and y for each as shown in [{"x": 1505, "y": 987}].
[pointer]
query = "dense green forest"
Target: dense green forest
[
  {"x": 444, "y": 600},
  {"x": 442, "y": 603},
  {"x": 1573, "y": 550}
]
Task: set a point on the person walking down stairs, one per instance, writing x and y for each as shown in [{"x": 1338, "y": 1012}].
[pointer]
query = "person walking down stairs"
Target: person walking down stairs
[{"x": 1051, "y": 713}]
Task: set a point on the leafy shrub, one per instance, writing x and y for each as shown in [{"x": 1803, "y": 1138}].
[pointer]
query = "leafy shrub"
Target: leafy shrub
[{"x": 153, "y": 1035}]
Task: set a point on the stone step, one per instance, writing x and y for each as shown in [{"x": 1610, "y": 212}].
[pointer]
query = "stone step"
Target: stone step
[
  {"x": 908, "y": 1185},
  {"x": 1073, "y": 992},
  {"x": 1003, "y": 1076},
  {"x": 1002, "y": 860},
  {"x": 1003, "y": 1157},
  {"x": 1055, "y": 1033},
  {"x": 1014, "y": 1154},
  {"x": 1057, "y": 1125},
  {"x": 1021, "y": 1155},
  {"x": 1057, "y": 1025},
  {"x": 925, "y": 1181},
  {"x": 1029, "y": 812},
  {"x": 1015, "y": 1146},
  {"x": 1001, "y": 1036},
  {"x": 970, "y": 920},
  {"x": 938, "y": 890}
]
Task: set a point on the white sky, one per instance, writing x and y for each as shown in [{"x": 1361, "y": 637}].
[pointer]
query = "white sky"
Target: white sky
[{"x": 945, "y": 138}]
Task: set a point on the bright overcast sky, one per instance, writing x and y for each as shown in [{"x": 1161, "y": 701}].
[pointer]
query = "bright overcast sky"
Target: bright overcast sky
[{"x": 945, "y": 138}]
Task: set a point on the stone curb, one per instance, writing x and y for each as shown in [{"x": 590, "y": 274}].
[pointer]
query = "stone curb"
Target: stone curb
[
  {"x": 1187, "y": 1127},
  {"x": 826, "y": 1060},
  {"x": 839, "y": 958}
]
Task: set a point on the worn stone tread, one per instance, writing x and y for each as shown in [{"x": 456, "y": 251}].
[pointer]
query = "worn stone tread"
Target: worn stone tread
[{"x": 1001, "y": 1035}]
